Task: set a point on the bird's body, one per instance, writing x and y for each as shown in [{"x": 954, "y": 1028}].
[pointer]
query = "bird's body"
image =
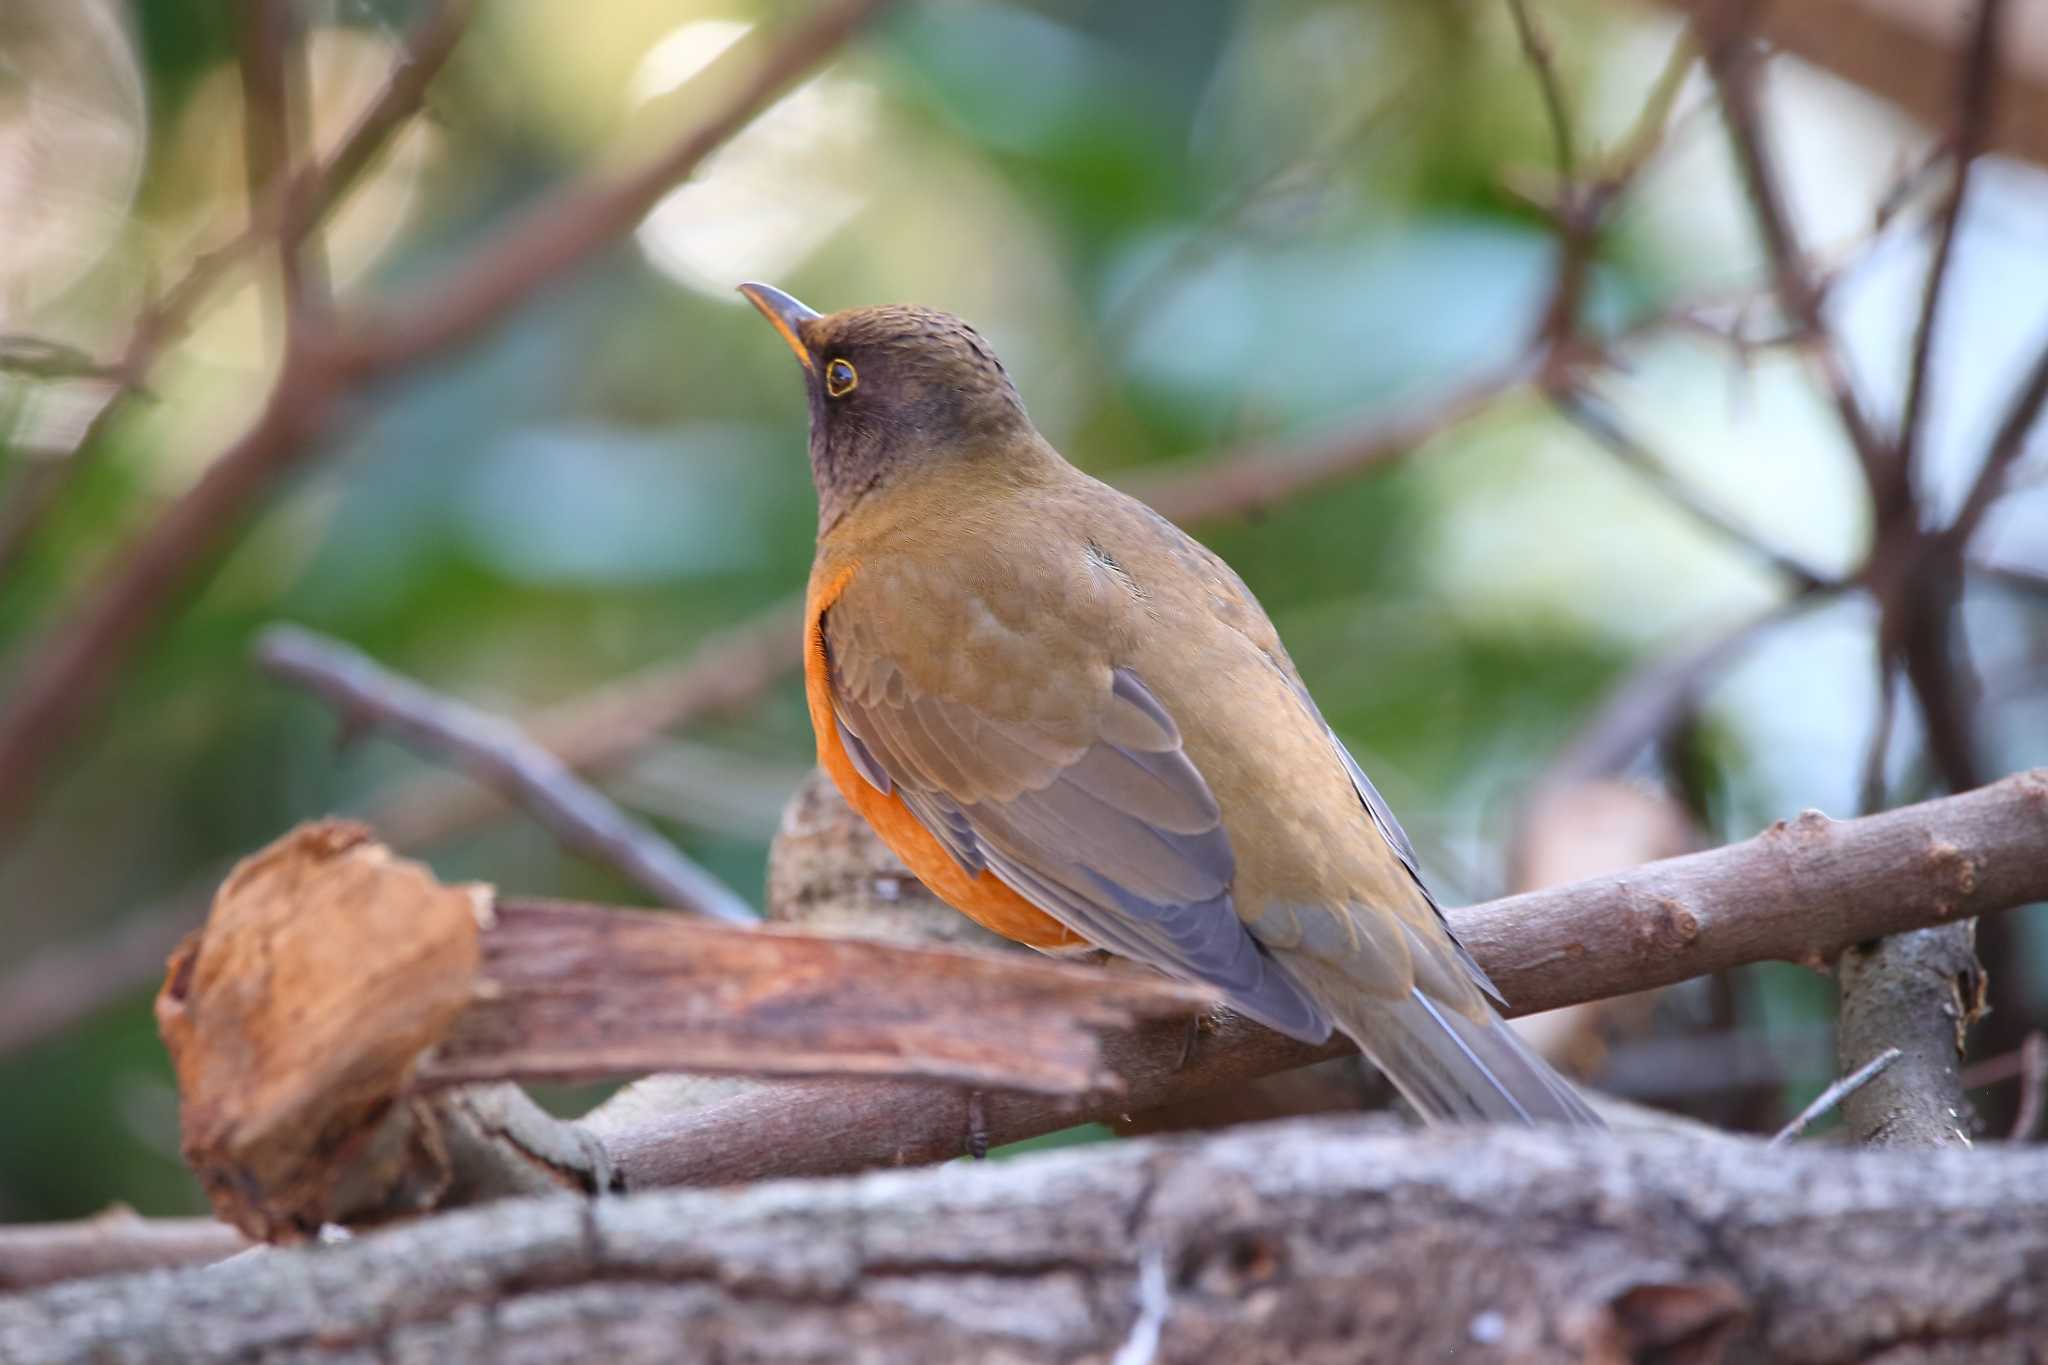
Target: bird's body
[{"x": 1076, "y": 725}]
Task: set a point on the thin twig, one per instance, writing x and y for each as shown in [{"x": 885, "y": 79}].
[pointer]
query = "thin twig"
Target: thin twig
[
  {"x": 1732, "y": 56},
  {"x": 1977, "y": 79},
  {"x": 69, "y": 669},
  {"x": 2026, "y": 1119},
  {"x": 1651, "y": 699},
  {"x": 1253, "y": 478},
  {"x": 498, "y": 754},
  {"x": 1597, "y": 420},
  {"x": 1537, "y": 46},
  {"x": 2007, "y": 445},
  {"x": 601, "y": 729},
  {"x": 1872, "y": 787},
  {"x": 1835, "y": 1094}
]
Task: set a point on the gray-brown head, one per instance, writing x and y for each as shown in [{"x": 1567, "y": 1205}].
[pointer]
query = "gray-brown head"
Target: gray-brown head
[{"x": 891, "y": 389}]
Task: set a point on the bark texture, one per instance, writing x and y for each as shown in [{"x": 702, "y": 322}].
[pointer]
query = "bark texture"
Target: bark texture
[
  {"x": 1319, "y": 1240},
  {"x": 1920, "y": 993}
]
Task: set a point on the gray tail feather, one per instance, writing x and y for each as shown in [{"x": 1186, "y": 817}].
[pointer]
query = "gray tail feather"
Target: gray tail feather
[{"x": 1456, "y": 1069}]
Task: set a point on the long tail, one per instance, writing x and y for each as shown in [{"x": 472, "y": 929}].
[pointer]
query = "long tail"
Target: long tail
[{"x": 1456, "y": 1069}]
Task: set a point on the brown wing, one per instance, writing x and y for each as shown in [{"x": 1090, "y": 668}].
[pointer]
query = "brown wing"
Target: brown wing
[{"x": 1089, "y": 809}]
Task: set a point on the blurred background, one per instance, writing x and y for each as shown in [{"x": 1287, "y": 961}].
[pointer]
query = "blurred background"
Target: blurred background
[{"x": 1186, "y": 226}]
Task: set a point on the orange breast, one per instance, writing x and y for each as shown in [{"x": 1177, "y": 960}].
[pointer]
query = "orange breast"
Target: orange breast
[{"x": 983, "y": 898}]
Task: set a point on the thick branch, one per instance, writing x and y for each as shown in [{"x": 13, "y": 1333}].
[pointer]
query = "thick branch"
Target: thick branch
[
  {"x": 1919, "y": 993},
  {"x": 1310, "y": 1240},
  {"x": 1803, "y": 891}
]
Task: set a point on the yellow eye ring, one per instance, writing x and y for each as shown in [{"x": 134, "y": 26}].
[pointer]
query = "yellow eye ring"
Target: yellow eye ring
[{"x": 840, "y": 379}]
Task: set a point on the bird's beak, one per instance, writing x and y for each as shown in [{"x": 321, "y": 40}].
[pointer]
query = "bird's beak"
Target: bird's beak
[{"x": 785, "y": 315}]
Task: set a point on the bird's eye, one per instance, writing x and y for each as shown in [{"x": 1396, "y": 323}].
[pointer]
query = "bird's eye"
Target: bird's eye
[{"x": 840, "y": 380}]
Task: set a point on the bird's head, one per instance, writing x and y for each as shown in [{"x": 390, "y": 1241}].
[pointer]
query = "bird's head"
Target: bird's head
[{"x": 894, "y": 390}]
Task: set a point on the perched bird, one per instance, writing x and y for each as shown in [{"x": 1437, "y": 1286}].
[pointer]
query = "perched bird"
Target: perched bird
[{"x": 1076, "y": 725}]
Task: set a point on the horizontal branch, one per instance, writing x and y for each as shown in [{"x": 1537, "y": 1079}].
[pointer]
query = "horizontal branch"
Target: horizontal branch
[
  {"x": 1297, "y": 1241},
  {"x": 1800, "y": 892},
  {"x": 1803, "y": 891},
  {"x": 33, "y": 1254}
]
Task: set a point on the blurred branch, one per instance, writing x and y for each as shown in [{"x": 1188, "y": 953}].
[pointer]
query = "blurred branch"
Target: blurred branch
[
  {"x": 1651, "y": 699},
  {"x": 1907, "y": 51},
  {"x": 1731, "y": 53},
  {"x": 1879, "y": 746},
  {"x": 598, "y": 731},
  {"x": 1536, "y": 45},
  {"x": 74, "y": 664},
  {"x": 2033, "y": 1078},
  {"x": 496, "y": 753},
  {"x": 165, "y": 318},
  {"x": 1835, "y": 1094},
  {"x": 33, "y": 1254},
  {"x": 1254, "y": 478},
  {"x": 1976, "y": 81},
  {"x": 2022, "y": 412},
  {"x": 1916, "y": 994},
  {"x": 1594, "y": 418},
  {"x": 50, "y": 989},
  {"x": 274, "y": 78}
]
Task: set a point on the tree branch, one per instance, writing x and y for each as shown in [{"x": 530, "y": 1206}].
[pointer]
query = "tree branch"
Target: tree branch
[
  {"x": 1599, "y": 422},
  {"x": 1977, "y": 79},
  {"x": 33, "y": 1254},
  {"x": 1305, "y": 1240},
  {"x": 1731, "y": 54},
  {"x": 497, "y": 754},
  {"x": 1803, "y": 891},
  {"x": 1917, "y": 994},
  {"x": 1254, "y": 478}
]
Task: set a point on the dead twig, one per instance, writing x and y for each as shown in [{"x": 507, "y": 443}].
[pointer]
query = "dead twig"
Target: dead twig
[
  {"x": 1834, "y": 1095},
  {"x": 499, "y": 755}
]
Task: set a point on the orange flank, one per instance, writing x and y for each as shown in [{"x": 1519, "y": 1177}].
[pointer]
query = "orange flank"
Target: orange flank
[{"x": 983, "y": 897}]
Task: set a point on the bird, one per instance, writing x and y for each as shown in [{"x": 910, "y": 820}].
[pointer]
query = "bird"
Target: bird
[{"x": 1075, "y": 724}]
